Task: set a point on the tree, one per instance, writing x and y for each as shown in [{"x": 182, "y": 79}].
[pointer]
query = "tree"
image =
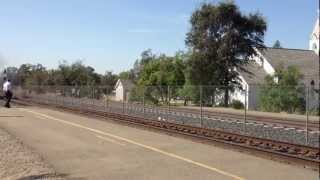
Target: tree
[
  {"x": 159, "y": 73},
  {"x": 24, "y": 72},
  {"x": 38, "y": 77},
  {"x": 76, "y": 74},
  {"x": 126, "y": 75},
  {"x": 222, "y": 39},
  {"x": 282, "y": 91},
  {"x": 109, "y": 79},
  {"x": 145, "y": 57},
  {"x": 277, "y": 44},
  {"x": 11, "y": 73}
]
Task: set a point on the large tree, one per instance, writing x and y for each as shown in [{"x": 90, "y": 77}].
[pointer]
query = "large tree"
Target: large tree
[
  {"x": 109, "y": 79},
  {"x": 222, "y": 39},
  {"x": 159, "y": 73}
]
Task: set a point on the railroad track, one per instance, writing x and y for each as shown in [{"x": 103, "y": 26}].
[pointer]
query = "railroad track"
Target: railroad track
[
  {"x": 274, "y": 121},
  {"x": 285, "y": 122},
  {"x": 189, "y": 112},
  {"x": 292, "y": 153}
]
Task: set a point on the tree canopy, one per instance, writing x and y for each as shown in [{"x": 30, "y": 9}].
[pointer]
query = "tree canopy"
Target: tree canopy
[
  {"x": 162, "y": 71},
  {"x": 75, "y": 74},
  {"x": 222, "y": 39},
  {"x": 277, "y": 44}
]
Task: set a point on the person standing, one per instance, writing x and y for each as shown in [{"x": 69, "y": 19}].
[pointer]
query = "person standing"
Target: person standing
[{"x": 7, "y": 91}]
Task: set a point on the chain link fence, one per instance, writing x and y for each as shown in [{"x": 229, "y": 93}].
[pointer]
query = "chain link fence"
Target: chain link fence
[{"x": 263, "y": 111}]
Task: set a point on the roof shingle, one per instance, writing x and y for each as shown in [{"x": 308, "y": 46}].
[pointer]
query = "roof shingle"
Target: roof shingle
[{"x": 307, "y": 61}]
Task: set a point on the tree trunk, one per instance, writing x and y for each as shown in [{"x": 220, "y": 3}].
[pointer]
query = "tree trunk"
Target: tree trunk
[
  {"x": 213, "y": 98},
  {"x": 226, "y": 97}
]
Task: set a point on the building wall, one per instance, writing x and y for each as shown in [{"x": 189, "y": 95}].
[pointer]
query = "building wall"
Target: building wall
[
  {"x": 259, "y": 59},
  {"x": 253, "y": 97},
  {"x": 240, "y": 94},
  {"x": 314, "y": 45},
  {"x": 314, "y": 39},
  {"x": 248, "y": 95},
  {"x": 119, "y": 92}
]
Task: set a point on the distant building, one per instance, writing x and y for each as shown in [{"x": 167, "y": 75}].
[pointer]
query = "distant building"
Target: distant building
[
  {"x": 270, "y": 59},
  {"x": 314, "y": 38},
  {"x": 122, "y": 89}
]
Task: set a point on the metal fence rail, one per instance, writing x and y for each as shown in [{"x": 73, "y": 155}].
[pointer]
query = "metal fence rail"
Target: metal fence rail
[{"x": 165, "y": 104}]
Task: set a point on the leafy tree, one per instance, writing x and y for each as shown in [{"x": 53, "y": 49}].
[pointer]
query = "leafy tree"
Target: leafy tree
[
  {"x": 282, "y": 91},
  {"x": 24, "y": 72},
  {"x": 77, "y": 74},
  {"x": 277, "y": 44},
  {"x": 109, "y": 79},
  {"x": 11, "y": 73},
  {"x": 189, "y": 93},
  {"x": 222, "y": 39},
  {"x": 38, "y": 76},
  {"x": 145, "y": 57},
  {"x": 126, "y": 75},
  {"x": 159, "y": 73}
]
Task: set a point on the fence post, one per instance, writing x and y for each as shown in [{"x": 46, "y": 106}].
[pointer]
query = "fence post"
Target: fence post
[
  {"x": 168, "y": 103},
  {"x": 123, "y": 111},
  {"x": 105, "y": 101},
  {"x": 201, "y": 112},
  {"x": 143, "y": 101},
  {"x": 245, "y": 108},
  {"x": 92, "y": 95},
  {"x": 307, "y": 114},
  {"x": 56, "y": 96},
  {"x": 80, "y": 98},
  {"x": 64, "y": 95},
  {"x": 73, "y": 90}
]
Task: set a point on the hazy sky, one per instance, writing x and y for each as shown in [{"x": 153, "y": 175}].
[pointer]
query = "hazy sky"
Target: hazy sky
[{"x": 111, "y": 34}]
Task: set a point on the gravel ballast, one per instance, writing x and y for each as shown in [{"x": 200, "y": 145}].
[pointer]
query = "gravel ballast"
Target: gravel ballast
[{"x": 19, "y": 162}]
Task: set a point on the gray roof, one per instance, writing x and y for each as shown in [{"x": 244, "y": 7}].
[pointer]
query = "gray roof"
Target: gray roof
[
  {"x": 306, "y": 61},
  {"x": 254, "y": 73}
]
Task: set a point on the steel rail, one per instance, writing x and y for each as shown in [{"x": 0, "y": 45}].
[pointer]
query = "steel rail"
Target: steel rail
[{"x": 300, "y": 154}]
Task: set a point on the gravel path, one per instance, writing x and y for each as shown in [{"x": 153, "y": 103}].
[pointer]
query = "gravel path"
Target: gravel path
[{"x": 19, "y": 162}]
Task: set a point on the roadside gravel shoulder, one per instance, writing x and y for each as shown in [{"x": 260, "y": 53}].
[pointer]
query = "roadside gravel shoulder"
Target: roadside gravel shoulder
[{"x": 19, "y": 162}]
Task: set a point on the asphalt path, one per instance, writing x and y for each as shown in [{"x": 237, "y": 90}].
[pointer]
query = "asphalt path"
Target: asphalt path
[{"x": 87, "y": 148}]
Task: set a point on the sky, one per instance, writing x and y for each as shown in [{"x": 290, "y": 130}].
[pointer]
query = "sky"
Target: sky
[{"x": 110, "y": 35}]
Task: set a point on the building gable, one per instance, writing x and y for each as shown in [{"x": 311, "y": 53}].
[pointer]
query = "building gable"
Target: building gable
[{"x": 306, "y": 61}]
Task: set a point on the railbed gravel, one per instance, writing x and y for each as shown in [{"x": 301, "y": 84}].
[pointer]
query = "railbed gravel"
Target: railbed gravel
[{"x": 19, "y": 162}]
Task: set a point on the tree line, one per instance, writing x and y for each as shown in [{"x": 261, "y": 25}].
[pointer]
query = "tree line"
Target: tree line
[
  {"x": 75, "y": 74},
  {"x": 220, "y": 42}
]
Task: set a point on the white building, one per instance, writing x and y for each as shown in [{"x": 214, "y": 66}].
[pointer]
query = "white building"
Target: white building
[
  {"x": 269, "y": 59},
  {"x": 122, "y": 89},
  {"x": 314, "y": 39}
]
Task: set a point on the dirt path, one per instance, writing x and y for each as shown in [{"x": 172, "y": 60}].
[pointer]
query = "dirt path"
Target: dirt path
[{"x": 19, "y": 162}]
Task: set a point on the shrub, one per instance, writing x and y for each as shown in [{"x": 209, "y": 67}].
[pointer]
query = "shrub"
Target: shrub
[{"x": 236, "y": 104}]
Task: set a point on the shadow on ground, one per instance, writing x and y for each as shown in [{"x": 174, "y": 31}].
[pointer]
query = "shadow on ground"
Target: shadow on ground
[
  {"x": 47, "y": 176},
  {"x": 11, "y": 116}
]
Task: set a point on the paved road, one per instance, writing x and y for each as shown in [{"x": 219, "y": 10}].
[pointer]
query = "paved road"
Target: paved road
[{"x": 86, "y": 148}]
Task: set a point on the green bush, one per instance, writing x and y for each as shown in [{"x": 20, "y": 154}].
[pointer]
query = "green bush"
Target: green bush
[
  {"x": 236, "y": 104},
  {"x": 314, "y": 112},
  {"x": 286, "y": 95}
]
